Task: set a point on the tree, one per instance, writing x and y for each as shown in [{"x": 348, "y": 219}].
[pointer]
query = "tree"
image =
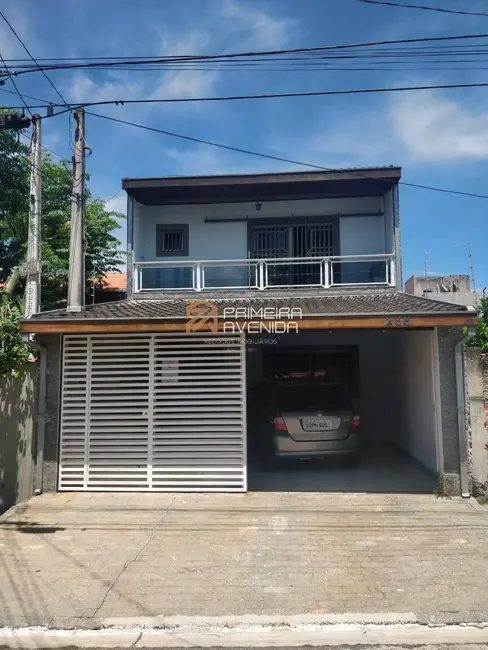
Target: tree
[
  {"x": 480, "y": 339},
  {"x": 102, "y": 247},
  {"x": 14, "y": 351},
  {"x": 13, "y": 196}
]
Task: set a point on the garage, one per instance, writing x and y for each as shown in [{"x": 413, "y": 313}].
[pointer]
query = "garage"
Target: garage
[
  {"x": 391, "y": 378},
  {"x": 152, "y": 412},
  {"x": 142, "y": 402}
]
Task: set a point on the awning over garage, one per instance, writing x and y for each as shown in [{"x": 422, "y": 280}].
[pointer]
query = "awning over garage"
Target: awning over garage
[{"x": 384, "y": 310}]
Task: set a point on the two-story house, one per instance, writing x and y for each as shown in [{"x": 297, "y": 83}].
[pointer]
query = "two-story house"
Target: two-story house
[{"x": 234, "y": 281}]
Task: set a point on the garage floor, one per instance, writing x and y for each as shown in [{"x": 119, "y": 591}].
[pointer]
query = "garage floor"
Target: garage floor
[{"x": 382, "y": 469}]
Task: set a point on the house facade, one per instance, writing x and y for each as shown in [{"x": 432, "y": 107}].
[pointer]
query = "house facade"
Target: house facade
[{"x": 234, "y": 281}]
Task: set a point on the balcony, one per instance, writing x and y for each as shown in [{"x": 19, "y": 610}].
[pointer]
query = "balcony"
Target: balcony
[{"x": 263, "y": 274}]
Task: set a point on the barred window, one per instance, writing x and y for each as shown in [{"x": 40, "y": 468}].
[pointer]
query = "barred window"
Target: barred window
[{"x": 172, "y": 240}]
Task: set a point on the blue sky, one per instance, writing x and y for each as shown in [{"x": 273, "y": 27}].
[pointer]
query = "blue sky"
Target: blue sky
[{"x": 439, "y": 137}]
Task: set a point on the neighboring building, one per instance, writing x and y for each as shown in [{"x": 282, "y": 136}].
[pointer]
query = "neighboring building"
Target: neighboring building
[
  {"x": 113, "y": 286},
  {"x": 448, "y": 288},
  {"x": 154, "y": 388}
]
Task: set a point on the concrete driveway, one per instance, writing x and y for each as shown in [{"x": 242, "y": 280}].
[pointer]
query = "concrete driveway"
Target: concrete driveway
[{"x": 86, "y": 560}]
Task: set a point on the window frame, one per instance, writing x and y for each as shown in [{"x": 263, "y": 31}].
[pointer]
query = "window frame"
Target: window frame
[{"x": 167, "y": 227}]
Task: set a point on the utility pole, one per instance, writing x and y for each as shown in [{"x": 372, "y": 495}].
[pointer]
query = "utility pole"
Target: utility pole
[
  {"x": 426, "y": 265},
  {"x": 471, "y": 269},
  {"x": 76, "y": 278},
  {"x": 32, "y": 267}
]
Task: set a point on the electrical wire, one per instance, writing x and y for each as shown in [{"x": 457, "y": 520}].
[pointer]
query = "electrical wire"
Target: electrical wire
[
  {"x": 58, "y": 155},
  {"x": 17, "y": 91},
  {"x": 2, "y": 15},
  {"x": 270, "y": 52},
  {"x": 236, "y": 55},
  {"x": 277, "y": 158},
  {"x": 33, "y": 59},
  {"x": 269, "y": 156},
  {"x": 114, "y": 196},
  {"x": 425, "y": 8},
  {"x": 311, "y": 93}
]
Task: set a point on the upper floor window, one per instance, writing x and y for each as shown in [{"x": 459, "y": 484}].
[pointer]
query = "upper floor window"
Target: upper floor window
[{"x": 172, "y": 240}]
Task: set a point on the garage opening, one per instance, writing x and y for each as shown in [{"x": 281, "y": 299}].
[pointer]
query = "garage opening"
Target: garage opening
[{"x": 387, "y": 388}]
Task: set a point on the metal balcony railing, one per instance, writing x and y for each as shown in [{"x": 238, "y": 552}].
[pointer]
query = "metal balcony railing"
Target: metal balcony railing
[{"x": 262, "y": 274}]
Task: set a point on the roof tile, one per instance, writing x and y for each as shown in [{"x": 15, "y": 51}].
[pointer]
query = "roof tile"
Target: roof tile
[{"x": 311, "y": 305}]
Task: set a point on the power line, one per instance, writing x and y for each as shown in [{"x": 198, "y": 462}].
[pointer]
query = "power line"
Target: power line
[
  {"x": 425, "y": 8},
  {"x": 38, "y": 99},
  {"x": 33, "y": 59},
  {"x": 236, "y": 55},
  {"x": 182, "y": 58},
  {"x": 271, "y": 157},
  {"x": 312, "y": 93},
  {"x": 17, "y": 91},
  {"x": 58, "y": 155}
]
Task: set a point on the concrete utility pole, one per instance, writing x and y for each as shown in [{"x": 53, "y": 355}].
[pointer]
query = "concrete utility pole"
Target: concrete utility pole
[
  {"x": 471, "y": 272},
  {"x": 76, "y": 279},
  {"x": 33, "y": 265}
]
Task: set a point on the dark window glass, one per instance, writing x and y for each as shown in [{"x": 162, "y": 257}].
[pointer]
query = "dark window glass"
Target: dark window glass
[{"x": 313, "y": 397}]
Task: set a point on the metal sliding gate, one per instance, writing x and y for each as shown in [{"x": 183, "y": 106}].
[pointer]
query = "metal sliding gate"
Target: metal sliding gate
[{"x": 160, "y": 412}]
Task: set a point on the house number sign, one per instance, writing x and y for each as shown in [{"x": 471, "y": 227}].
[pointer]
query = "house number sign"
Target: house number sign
[{"x": 397, "y": 321}]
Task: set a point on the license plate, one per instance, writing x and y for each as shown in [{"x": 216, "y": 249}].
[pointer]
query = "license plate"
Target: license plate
[{"x": 318, "y": 425}]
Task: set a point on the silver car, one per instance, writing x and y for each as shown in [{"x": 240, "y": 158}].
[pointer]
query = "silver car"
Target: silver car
[{"x": 315, "y": 420}]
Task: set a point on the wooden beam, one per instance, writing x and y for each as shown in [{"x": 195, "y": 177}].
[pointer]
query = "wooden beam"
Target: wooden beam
[{"x": 386, "y": 322}]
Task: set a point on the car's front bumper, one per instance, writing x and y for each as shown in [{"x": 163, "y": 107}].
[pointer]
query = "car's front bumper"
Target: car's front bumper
[{"x": 285, "y": 446}]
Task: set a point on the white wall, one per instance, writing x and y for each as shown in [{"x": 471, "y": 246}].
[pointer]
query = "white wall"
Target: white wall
[
  {"x": 389, "y": 222},
  {"x": 417, "y": 414},
  {"x": 229, "y": 240},
  {"x": 362, "y": 235}
]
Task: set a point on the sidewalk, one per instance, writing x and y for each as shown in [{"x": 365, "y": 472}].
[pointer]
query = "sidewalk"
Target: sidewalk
[{"x": 91, "y": 560}]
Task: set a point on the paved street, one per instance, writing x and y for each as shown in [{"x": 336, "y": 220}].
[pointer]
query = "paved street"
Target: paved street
[{"x": 86, "y": 560}]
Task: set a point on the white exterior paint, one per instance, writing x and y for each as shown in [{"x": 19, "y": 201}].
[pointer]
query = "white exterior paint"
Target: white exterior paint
[
  {"x": 228, "y": 240},
  {"x": 418, "y": 396},
  {"x": 362, "y": 235}
]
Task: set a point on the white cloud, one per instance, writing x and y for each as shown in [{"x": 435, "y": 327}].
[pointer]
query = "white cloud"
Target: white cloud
[
  {"x": 9, "y": 44},
  {"x": 266, "y": 31},
  {"x": 433, "y": 128},
  {"x": 414, "y": 127},
  {"x": 84, "y": 89},
  {"x": 228, "y": 23},
  {"x": 117, "y": 203},
  {"x": 185, "y": 83},
  {"x": 202, "y": 160}
]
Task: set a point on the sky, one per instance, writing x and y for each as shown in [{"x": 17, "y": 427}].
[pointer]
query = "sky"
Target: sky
[{"x": 438, "y": 137}]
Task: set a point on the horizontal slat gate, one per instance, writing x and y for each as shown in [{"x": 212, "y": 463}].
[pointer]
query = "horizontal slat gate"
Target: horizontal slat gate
[{"x": 153, "y": 412}]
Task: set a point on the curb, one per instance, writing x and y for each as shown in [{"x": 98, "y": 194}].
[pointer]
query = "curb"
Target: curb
[{"x": 196, "y": 633}]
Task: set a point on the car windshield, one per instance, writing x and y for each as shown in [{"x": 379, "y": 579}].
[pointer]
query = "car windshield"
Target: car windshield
[{"x": 313, "y": 397}]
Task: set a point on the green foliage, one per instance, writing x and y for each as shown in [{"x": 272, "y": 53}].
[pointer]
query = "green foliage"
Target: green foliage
[
  {"x": 103, "y": 253},
  {"x": 14, "y": 351},
  {"x": 102, "y": 248},
  {"x": 480, "y": 339}
]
